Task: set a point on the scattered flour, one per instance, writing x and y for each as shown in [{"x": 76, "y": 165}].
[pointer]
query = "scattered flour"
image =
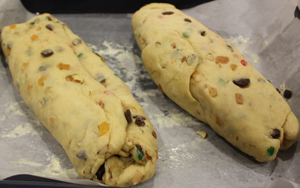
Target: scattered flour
[{"x": 243, "y": 45}]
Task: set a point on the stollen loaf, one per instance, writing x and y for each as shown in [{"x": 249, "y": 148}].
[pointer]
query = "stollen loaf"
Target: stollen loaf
[
  {"x": 212, "y": 80},
  {"x": 83, "y": 104}
]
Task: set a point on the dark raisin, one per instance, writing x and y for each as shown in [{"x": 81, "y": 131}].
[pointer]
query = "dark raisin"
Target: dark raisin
[
  {"x": 128, "y": 116},
  {"x": 187, "y": 20},
  {"x": 76, "y": 42},
  {"x": 44, "y": 101},
  {"x": 9, "y": 44},
  {"x": 100, "y": 172},
  {"x": 275, "y": 134},
  {"x": 138, "y": 147},
  {"x": 138, "y": 116},
  {"x": 43, "y": 67},
  {"x": 243, "y": 82},
  {"x": 139, "y": 122},
  {"x": 50, "y": 27},
  {"x": 100, "y": 78},
  {"x": 48, "y": 18},
  {"x": 203, "y": 33},
  {"x": 278, "y": 90},
  {"x": 287, "y": 94},
  {"x": 99, "y": 55},
  {"x": 168, "y": 13},
  {"x": 230, "y": 48},
  {"x": 47, "y": 53},
  {"x": 82, "y": 155},
  {"x": 140, "y": 153}
]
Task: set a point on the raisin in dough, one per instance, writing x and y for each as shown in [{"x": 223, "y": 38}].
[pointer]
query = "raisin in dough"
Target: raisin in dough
[
  {"x": 210, "y": 78},
  {"x": 81, "y": 101}
]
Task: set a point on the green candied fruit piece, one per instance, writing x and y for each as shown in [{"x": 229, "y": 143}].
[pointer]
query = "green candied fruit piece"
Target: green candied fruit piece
[
  {"x": 31, "y": 23},
  {"x": 187, "y": 33},
  {"x": 116, "y": 75},
  {"x": 80, "y": 55},
  {"x": 270, "y": 151},
  {"x": 269, "y": 81},
  {"x": 139, "y": 154},
  {"x": 222, "y": 82}
]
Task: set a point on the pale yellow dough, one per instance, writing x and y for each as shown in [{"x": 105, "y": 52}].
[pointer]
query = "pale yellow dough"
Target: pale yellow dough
[
  {"x": 196, "y": 68},
  {"x": 81, "y": 101}
]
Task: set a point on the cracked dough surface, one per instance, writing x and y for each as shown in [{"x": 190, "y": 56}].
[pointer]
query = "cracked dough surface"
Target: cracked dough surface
[
  {"x": 81, "y": 101},
  {"x": 212, "y": 80}
]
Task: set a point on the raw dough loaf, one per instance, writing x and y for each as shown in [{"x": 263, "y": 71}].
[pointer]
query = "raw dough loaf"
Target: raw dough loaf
[
  {"x": 210, "y": 78},
  {"x": 81, "y": 101}
]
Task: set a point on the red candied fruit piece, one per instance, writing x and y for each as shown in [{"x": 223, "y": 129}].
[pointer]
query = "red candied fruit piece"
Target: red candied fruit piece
[{"x": 243, "y": 62}]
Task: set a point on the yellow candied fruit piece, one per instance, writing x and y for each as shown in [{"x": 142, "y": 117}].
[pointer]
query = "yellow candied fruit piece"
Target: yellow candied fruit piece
[
  {"x": 13, "y": 26},
  {"x": 209, "y": 57},
  {"x": 32, "y": 26},
  {"x": 195, "y": 75},
  {"x": 104, "y": 128},
  {"x": 41, "y": 81},
  {"x": 33, "y": 37},
  {"x": 62, "y": 66},
  {"x": 203, "y": 134},
  {"x": 233, "y": 67}
]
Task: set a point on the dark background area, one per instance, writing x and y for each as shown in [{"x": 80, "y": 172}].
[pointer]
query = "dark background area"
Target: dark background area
[{"x": 99, "y": 6}]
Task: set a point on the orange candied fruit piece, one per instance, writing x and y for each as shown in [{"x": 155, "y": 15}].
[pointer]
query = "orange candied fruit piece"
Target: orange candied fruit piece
[
  {"x": 213, "y": 92},
  {"x": 62, "y": 66},
  {"x": 154, "y": 134},
  {"x": 13, "y": 26},
  {"x": 239, "y": 98},
  {"x": 64, "y": 24},
  {"x": 104, "y": 128},
  {"x": 148, "y": 156},
  {"x": 52, "y": 120},
  {"x": 160, "y": 88},
  {"x": 41, "y": 80},
  {"x": 33, "y": 37},
  {"x": 24, "y": 66},
  {"x": 30, "y": 87},
  {"x": 222, "y": 59}
]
